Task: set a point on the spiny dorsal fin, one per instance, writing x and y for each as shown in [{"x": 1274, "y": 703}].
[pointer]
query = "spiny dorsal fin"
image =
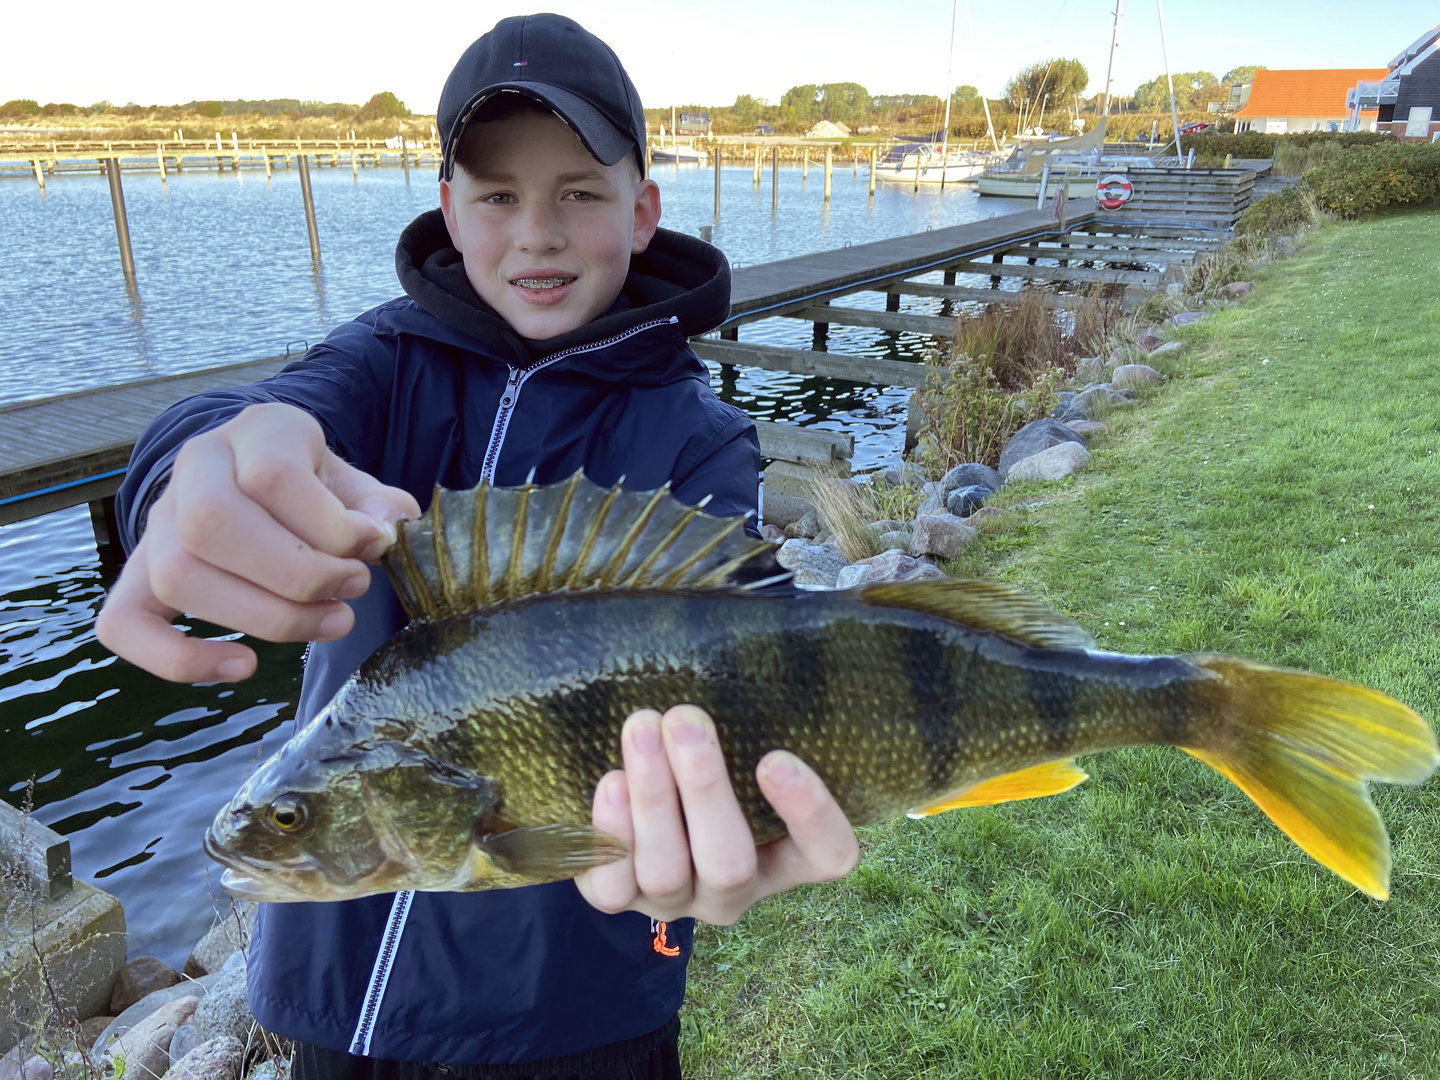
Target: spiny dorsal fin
[
  {"x": 490, "y": 545},
  {"x": 985, "y": 606}
]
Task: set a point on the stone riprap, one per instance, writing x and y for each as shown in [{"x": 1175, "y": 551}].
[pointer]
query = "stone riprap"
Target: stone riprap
[
  {"x": 969, "y": 474},
  {"x": 225, "y": 1010},
  {"x": 140, "y": 978},
  {"x": 942, "y": 536},
  {"x": 1053, "y": 463},
  {"x": 1034, "y": 437},
  {"x": 145, "y": 1048},
  {"x": 215, "y": 1059},
  {"x": 815, "y": 566},
  {"x": 1134, "y": 375},
  {"x": 230, "y": 933},
  {"x": 964, "y": 501}
]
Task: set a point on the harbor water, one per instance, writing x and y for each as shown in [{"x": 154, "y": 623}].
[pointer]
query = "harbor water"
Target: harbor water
[{"x": 131, "y": 768}]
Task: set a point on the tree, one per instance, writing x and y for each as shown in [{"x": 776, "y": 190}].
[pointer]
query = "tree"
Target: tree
[
  {"x": 845, "y": 103},
  {"x": 1061, "y": 79},
  {"x": 801, "y": 104},
  {"x": 965, "y": 101},
  {"x": 382, "y": 106},
  {"x": 1193, "y": 89},
  {"x": 745, "y": 113},
  {"x": 20, "y": 107},
  {"x": 211, "y": 109},
  {"x": 1243, "y": 73}
]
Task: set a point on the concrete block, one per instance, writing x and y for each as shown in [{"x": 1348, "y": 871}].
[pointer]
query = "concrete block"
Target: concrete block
[
  {"x": 786, "y": 491},
  {"x": 81, "y": 938}
]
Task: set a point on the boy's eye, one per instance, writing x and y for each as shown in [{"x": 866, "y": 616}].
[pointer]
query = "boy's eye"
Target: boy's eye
[
  {"x": 581, "y": 196},
  {"x": 497, "y": 198}
]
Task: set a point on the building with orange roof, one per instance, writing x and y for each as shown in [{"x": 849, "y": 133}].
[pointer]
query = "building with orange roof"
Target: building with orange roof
[{"x": 1311, "y": 99}]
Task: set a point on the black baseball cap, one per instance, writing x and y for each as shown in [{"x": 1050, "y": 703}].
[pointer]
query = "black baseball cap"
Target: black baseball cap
[{"x": 560, "y": 64}]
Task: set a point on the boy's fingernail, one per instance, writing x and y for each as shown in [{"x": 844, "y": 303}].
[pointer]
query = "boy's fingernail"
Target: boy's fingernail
[
  {"x": 617, "y": 794},
  {"x": 235, "y": 668},
  {"x": 355, "y": 588},
  {"x": 647, "y": 738},
  {"x": 783, "y": 769},
  {"x": 686, "y": 732},
  {"x": 334, "y": 625}
]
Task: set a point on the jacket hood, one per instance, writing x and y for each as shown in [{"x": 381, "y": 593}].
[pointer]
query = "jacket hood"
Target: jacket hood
[{"x": 677, "y": 280}]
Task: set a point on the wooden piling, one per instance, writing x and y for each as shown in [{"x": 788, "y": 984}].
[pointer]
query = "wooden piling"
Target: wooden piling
[
  {"x": 354, "y": 165},
  {"x": 717, "y": 181},
  {"x": 872, "y": 171},
  {"x": 265, "y": 153},
  {"x": 917, "y": 171},
  {"x": 774, "y": 179},
  {"x": 309, "y": 209},
  {"x": 805, "y": 168},
  {"x": 122, "y": 226},
  {"x": 39, "y": 172},
  {"x": 405, "y": 158},
  {"x": 829, "y": 162},
  {"x": 160, "y": 157},
  {"x": 756, "y": 179}
]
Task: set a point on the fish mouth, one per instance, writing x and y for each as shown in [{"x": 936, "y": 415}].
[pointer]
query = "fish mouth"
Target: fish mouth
[{"x": 271, "y": 882}]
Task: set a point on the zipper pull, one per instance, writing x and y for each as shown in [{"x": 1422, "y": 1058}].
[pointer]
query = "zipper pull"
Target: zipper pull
[{"x": 508, "y": 398}]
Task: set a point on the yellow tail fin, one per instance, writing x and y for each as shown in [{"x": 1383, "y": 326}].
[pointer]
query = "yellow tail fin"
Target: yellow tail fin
[{"x": 1302, "y": 746}]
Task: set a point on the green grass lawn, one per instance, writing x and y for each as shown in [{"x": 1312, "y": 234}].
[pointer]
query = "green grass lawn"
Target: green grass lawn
[{"x": 1277, "y": 498}]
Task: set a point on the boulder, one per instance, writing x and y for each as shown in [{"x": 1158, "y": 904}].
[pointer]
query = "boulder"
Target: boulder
[
  {"x": 185, "y": 1039},
  {"x": 215, "y": 1059},
  {"x": 269, "y": 1070},
  {"x": 773, "y": 533},
  {"x": 230, "y": 932},
  {"x": 932, "y": 502},
  {"x": 942, "y": 535},
  {"x": 1132, "y": 375},
  {"x": 148, "y": 1005},
  {"x": 145, "y": 1048},
  {"x": 225, "y": 1009},
  {"x": 965, "y": 501},
  {"x": 805, "y": 528},
  {"x": 36, "y": 1068},
  {"x": 970, "y": 474},
  {"x": 1238, "y": 289},
  {"x": 1087, "y": 428},
  {"x": 1034, "y": 437},
  {"x": 985, "y": 513},
  {"x": 1051, "y": 464},
  {"x": 1090, "y": 370},
  {"x": 1168, "y": 347},
  {"x": 138, "y": 978},
  {"x": 895, "y": 565},
  {"x": 90, "y": 1029},
  {"x": 895, "y": 538},
  {"x": 1150, "y": 339},
  {"x": 853, "y": 575},
  {"x": 815, "y": 566},
  {"x": 1185, "y": 318}
]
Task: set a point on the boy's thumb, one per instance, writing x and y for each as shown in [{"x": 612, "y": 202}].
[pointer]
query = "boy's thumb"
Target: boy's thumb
[{"x": 382, "y": 504}]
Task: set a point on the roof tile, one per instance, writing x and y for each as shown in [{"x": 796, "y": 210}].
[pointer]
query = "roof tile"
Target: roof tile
[{"x": 1305, "y": 92}]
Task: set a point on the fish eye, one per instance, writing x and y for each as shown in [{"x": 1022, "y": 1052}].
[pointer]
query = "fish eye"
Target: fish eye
[{"x": 288, "y": 813}]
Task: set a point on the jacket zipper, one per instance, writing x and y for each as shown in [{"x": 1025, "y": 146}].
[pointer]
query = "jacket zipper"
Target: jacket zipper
[
  {"x": 400, "y": 908},
  {"x": 519, "y": 376}
]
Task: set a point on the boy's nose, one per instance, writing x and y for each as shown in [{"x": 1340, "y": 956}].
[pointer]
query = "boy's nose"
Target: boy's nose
[{"x": 539, "y": 229}]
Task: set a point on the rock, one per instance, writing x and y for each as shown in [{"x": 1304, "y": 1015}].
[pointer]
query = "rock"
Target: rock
[
  {"x": 885, "y": 525},
  {"x": 1175, "y": 288},
  {"x": 941, "y": 535},
  {"x": 146, "y": 1046},
  {"x": 985, "y": 513},
  {"x": 1051, "y": 464},
  {"x": 1185, "y": 318},
  {"x": 151, "y": 1003},
  {"x": 895, "y": 565},
  {"x": 1168, "y": 347},
  {"x": 853, "y": 575},
  {"x": 805, "y": 528},
  {"x": 1090, "y": 370},
  {"x": 1237, "y": 289},
  {"x": 215, "y": 1059},
  {"x": 185, "y": 1039},
  {"x": 970, "y": 474},
  {"x": 230, "y": 932},
  {"x": 932, "y": 503},
  {"x": 1086, "y": 428},
  {"x": 1150, "y": 339},
  {"x": 815, "y": 566},
  {"x": 1031, "y": 439},
  {"x": 225, "y": 1010},
  {"x": 90, "y": 1029},
  {"x": 36, "y": 1068},
  {"x": 966, "y": 500},
  {"x": 773, "y": 533},
  {"x": 895, "y": 538},
  {"x": 141, "y": 976},
  {"x": 270, "y": 1070},
  {"x": 14, "y": 1060},
  {"x": 1131, "y": 375}
]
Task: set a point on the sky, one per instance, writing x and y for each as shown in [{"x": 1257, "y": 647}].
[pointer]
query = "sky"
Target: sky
[{"x": 676, "y": 51}]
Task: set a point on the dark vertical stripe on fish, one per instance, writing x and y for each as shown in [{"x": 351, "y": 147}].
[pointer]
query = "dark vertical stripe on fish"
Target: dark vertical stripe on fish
[
  {"x": 1052, "y": 693},
  {"x": 932, "y": 690}
]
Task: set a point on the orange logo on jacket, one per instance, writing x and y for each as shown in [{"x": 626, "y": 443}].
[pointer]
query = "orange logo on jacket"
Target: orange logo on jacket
[{"x": 660, "y": 943}]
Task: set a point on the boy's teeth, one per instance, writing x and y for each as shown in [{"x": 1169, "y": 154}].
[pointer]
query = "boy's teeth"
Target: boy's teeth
[{"x": 541, "y": 282}]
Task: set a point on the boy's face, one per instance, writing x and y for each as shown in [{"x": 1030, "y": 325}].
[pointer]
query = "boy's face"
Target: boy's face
[{"x": 546, "y": 231}]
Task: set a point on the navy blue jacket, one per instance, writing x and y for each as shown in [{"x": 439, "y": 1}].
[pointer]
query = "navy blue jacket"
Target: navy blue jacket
[{"x": 436, "y": 388}]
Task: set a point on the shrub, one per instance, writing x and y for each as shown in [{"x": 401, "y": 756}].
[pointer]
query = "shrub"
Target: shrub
[
  {"x": 382, "y": 106},
  {"x": 1279, "y": 214},
  {"x": 211, "y": 109},
  {"x": 1368, "y": 179},
  {"x": 1296, "y": 159},
  {"x": 20, "y": 107}
]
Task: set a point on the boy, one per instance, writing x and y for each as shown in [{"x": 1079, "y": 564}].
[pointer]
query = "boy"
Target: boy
[{"x": 544, "y": 329}]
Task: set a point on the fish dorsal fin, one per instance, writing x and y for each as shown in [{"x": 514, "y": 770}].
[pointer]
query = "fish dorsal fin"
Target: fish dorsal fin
[
  {"x": 985, "y": 606},
  {"x": 490, "y": 545},
  {"x": 1036, "y": 782}
]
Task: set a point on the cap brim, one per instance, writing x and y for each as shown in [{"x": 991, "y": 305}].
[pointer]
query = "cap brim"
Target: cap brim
[{"x": 600, "y": 137}]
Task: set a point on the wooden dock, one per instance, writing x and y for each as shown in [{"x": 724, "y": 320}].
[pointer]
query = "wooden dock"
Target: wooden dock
[{"x": 74, "y": 448}]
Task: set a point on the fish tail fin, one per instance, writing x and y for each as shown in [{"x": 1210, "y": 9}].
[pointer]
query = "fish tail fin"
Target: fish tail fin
[{"x": 1302, "y": 747}]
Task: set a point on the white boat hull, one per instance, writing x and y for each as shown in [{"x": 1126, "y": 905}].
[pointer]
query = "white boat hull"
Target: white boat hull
[
  {"x": 682, "y": 155},
  {"x": 951, "y": 174},
  {"x": 1028, "y": 187}
]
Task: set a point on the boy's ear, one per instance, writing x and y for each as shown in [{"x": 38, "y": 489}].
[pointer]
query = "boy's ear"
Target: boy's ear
[
  {"x": 447, "y": 209},
  {"x": 647, "y": 215}
]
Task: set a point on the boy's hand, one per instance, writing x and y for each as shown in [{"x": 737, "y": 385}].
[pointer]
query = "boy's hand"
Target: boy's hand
[
  {"x": 692, "y": 853},
  {"x": 262, "y": 529}
]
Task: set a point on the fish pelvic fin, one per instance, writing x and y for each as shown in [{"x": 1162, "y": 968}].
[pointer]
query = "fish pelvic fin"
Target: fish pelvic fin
[
  {"x": 541, "y": 853},
  {"x": 983, "y": 605},
  {"x": 490, "y": 545},
  {"x": 1302, "y": 747},
  {"x": 1051, "y": 778}
]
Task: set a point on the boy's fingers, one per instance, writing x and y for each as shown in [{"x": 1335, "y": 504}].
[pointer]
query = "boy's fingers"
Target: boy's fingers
[
  {"x": 721, "y": 844},
  {"x": 219, "y": 525},
  {"x": 821, "y": 845},
  {"x": 135, "y": 625},
  {"x": 611, "y": 887},
  {"x": 661, "y": 850},
  {"x": 379, "y": 503}
]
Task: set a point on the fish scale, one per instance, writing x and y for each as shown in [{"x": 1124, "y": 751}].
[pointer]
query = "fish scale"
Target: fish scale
[{"x": 465, "y": 753}]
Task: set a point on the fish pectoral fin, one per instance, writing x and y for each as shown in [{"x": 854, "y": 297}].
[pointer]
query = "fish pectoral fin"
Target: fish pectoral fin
[
  {"x": 1051, "y": 778},
  {"x": 551, "y": 852}
]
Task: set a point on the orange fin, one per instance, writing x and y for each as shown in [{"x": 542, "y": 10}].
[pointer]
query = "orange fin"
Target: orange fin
[{"x": 1050, "y": 778}]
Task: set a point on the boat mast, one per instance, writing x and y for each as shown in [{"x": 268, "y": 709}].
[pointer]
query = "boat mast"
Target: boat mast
[
  {"x": 985, "y": 101},
  {"x": 1114, "y": 44},
  {"x": 949, "y": 90},
  {"x": 1165, "y": 51}
]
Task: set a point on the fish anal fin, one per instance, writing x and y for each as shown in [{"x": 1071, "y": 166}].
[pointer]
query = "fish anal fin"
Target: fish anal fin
[
  {"x": 551, "y": 852},
  {"x": 984, "y": 605},
  {"x": 1050, "y": 778}
]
